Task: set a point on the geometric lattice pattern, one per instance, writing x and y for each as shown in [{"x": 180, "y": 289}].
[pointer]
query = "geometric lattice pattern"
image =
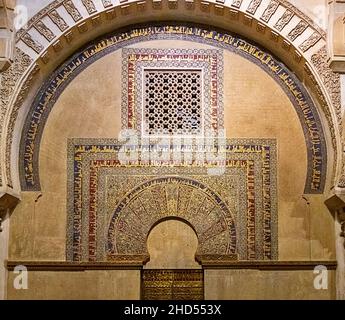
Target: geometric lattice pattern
[
  {"x": 172, "y": 102},
  {"x": 172, "y": 91}
]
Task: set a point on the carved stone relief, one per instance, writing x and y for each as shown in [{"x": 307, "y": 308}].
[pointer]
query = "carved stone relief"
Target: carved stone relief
[{"x": 110, "y": 203}]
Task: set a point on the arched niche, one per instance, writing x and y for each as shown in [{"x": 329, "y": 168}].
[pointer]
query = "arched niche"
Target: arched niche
[{"x": 172, "y": 244}]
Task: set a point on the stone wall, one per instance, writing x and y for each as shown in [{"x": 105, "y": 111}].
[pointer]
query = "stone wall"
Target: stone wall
[
  {"x": 256, "y": 284},
  {"x": 89, "y": 285},
  {"x": 4, "y": 235},
  {"x": 255, "y": 106}
]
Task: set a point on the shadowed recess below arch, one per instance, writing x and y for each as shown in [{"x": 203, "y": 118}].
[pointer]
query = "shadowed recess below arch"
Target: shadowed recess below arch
[
  {"x": 172, "y": 242},
  {"x": 54, "y": 86}
]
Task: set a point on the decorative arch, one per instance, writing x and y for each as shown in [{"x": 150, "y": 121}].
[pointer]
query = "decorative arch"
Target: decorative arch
[
  {"x": 54, "y": 33},
  {"x": 246, "y": 190},
  {"x": 51, "y": 90},
  {"x": 214, "y": 223},
  {"x": 166, "y": 254}
]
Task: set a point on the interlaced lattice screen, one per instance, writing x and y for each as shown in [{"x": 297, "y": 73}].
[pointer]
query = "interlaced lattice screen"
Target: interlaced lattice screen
[{"x": 172, "y": 102}]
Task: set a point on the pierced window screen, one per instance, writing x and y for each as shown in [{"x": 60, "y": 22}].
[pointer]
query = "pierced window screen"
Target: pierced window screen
[{"x": 172, "y": 102}]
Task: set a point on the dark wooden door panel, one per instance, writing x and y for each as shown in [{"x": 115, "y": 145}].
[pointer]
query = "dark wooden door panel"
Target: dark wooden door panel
[{"x": 172, "y": 285}]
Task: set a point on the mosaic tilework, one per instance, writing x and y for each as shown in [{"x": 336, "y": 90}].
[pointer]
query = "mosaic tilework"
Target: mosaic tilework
[
  {"x": 112, "y": 207},
  {"x": 136, "y": 61},
  {"x": 50, "y": 91}
]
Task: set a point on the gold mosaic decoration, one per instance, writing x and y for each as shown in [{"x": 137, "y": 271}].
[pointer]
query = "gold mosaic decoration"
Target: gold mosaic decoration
[
  {"x": 112, "y": 206},
  {"x": 172, "y": 285}
]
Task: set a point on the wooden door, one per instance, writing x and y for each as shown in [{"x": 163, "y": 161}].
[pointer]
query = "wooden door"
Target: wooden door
[{"x": 173, "y": 284}]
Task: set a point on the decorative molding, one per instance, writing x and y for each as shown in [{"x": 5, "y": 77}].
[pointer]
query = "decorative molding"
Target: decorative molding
[
  {"x": 210, "y": 62},
  {"x": 269, "y": 265},
  {"x": 270, "y": 10},
  {"x": 160, "y": 196},
  {"x": 27, "y": 39},
  {"x": 236, "y": 3},
  {"x": 53, "y": 8},
  {"x": 158, "y": 192},
  {"x": 206, "y": 259},
  {"x": 157, "y": 4},
  {"x": 72, "y": 10},
  {"x": 310, "y": 42},
  {"x": 38, "y": 16},
  {"x": 121, "y": 262},
  {"x": 90, "y": 6},
  {"x": 327, "y": 113},
  {"x": 8, "y": 81},
  {"x": 248, "y": 21},
  {"x": 284, "y": 20},
  {"x": 58, "y": 20},
  {"x": 219, "y": 10},
  {"x": 330, "y": 79},
  {"x": 44, "y": 30},
  {"x": 189, "y": 4},
  {"x": 261, "y": 28},
  {"x": 53, "y": 266},
  {"x": 173, "y": 4},
  {"x": 297, "y": 31},
  {"x": 106, "y": 3},
  {"x": 253, "y": 6},
  {"x": 303, "y": 16},
  {"x": 16, "y": 106}
]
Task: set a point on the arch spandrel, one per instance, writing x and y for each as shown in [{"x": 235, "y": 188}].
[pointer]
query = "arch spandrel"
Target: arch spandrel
[
  {"x": 294, "y": 89},
  {"x": 135, "y": 197},
  {"x": 172, "y": 197}
]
